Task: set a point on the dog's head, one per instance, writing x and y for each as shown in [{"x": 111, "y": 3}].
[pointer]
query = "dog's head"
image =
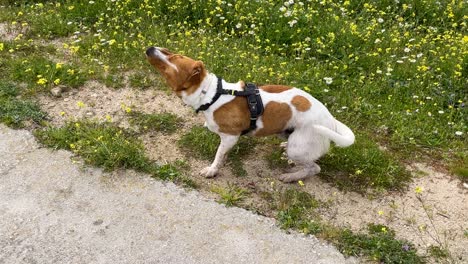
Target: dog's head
[{"x": 183, "y": 74}]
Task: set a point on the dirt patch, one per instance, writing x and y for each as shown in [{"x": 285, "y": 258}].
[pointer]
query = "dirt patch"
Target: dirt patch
[
  {"x": 8, "y": 32},
  {"x": 437, "y": 215},
  {"x": 96, "y": 101}
]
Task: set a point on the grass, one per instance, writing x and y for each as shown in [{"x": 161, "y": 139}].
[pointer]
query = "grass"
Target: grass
[
  {"x": 16, "y": 112},
  {"x": 232, "y": 195},
  {"x": 276, "y": 156},
  {"x": 101, "y": 145},
  {"x": 201, "y": 143},
  {"x": 362, "y": 167},
  {"x": 107, "y": 146},
  {"x": 297, "y": 210},
  {"x": 165, "y": 122}
]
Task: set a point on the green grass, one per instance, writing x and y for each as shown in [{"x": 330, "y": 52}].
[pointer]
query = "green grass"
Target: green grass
[
  {"x": 438, "y": 253},
  {"x": 275, "y": 154},
  {"x": 232, "y": 195},
  {"x": 41, "y": 74},
  {"x": 107, "y": 146},
  {"x": 102, "y": 145},
  {"x": 298, "y": 210},
  {"x": 363, "y": 166},
  {"x": 202, "y": 143},
  {"x": 17, "y": 112},
  {"x": 165, "y": 122},
  {"x": 462, "y": 173},
  {"x": 379, "y": 245}
]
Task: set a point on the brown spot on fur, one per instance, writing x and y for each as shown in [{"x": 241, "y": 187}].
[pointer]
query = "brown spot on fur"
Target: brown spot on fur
[
  {"x": 233, "y": 117},
  {"x": 275, "y": 117},
  {"x": 275, "y": 88},
  {"x": 301, "y": 103}
]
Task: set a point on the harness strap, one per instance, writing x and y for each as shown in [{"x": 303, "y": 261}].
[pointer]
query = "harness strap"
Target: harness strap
[
  {"x": 219, "y": 92},
  {"x": 254, "y": 102}
]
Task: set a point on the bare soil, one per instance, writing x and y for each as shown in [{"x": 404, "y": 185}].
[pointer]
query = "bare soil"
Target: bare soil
[{"x": 439, "y": 217}]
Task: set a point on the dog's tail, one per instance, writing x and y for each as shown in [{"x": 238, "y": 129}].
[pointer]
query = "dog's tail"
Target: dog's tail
[{"x": 343, "y": 136}]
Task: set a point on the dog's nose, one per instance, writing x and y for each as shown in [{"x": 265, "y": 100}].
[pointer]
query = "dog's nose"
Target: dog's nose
[{"x": 150, "y": 51}]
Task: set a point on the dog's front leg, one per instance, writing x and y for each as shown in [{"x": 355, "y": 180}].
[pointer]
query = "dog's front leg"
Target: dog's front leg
[{"x": 227, "y": 142}]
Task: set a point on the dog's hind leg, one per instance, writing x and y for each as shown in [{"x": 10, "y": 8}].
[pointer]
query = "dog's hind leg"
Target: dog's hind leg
[
  {"x": 307, "y": 171},
  {"x": 304, "y": 148},
  {"x": 227, "y": 142}
]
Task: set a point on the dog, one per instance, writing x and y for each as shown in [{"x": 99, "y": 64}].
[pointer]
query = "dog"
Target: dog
[{"x": 287, "y": 110}]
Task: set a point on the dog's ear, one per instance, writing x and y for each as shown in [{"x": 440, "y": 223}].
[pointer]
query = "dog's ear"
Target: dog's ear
[
  {"x": 196, "y": 73},
  {"x": 197, "y": 69}
]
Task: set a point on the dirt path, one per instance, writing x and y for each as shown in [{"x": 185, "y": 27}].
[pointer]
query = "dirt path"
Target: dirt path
[
  {"x": 439, "y": 217},
  {"x": 55, "y": 211}
]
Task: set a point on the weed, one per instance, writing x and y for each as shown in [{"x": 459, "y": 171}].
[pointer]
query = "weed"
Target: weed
[
  {"x": 108, "y": 146},
  {"x": 142, "y": 81},
  {"x": 380, "y": 245},
  {"x": 462, "y": 173},
  {"x": 296, "y": 210},
  {"x": 40, "y": 74},
  {"x": 114, "y": 80},
  {"x": 17, "y": 112},
  {"x": 276, "y": 156},
  {"x": 101, "y": 145},
  {"x": 200, "y": 142},
  {"x": 363, "y": 166},
  {"x": 438, "y": 252},
  {"x": 164, "y": 122},
  {"x": 230, "y": 196}
]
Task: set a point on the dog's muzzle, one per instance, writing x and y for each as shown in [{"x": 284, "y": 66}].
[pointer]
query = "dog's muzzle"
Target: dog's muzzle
[{"x": 150, "y": 51}]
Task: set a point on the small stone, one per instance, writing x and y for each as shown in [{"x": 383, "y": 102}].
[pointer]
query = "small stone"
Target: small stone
[
  {"x": 465, "y": 185},
  {"x": 90, "y": 113},
  {"x": 56, "y": 91}
]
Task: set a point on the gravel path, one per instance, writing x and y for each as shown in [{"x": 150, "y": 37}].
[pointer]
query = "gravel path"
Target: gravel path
[{"x": 55, "y": 211}]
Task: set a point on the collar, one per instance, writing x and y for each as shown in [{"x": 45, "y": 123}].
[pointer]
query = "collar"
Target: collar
[{"x": 219, "y": 89}]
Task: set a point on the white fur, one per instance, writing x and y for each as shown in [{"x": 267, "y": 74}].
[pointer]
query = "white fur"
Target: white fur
[
  {"x": 227, "y": 142},
  {"x": 161, "y": 56}
]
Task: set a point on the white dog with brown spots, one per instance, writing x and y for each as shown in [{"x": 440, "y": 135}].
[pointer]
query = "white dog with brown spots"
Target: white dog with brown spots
[{"x": 310, "y": 124}]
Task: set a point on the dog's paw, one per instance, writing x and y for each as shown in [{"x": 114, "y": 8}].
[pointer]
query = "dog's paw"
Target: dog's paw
[
  {"x": 209, "y": 172},
  {"x": 292, "y": 177}
]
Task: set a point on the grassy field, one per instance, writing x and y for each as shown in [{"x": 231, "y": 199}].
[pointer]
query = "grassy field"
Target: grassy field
[{"x": 394, "y": 71}]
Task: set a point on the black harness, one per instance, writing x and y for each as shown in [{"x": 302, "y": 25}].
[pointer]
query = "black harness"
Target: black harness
[{"x": 254, "y": 102}]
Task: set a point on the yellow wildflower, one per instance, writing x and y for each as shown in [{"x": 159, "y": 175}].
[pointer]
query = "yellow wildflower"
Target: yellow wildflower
[
  {"x": 42, "y": 81},
  {"x": 418, "y": 189},
  {"x": 80, "y": 104}
]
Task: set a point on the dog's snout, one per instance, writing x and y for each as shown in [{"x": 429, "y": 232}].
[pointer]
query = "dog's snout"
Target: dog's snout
[{"x": 150, "y": 51}]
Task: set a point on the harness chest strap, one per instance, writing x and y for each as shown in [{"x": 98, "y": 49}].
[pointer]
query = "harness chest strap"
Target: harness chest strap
[{"x": 254, "y": 102}]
